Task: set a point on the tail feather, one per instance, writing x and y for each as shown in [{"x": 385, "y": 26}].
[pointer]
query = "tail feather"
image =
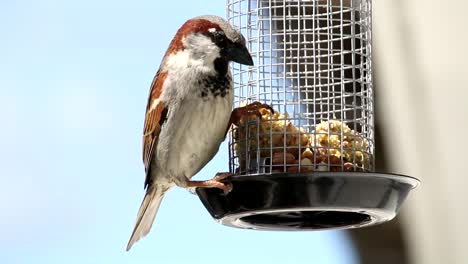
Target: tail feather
[{"x": 148, "y": 209}]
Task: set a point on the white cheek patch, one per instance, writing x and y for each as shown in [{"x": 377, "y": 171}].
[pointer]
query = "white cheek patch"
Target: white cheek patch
[
  {"x": 199, "y": 51},
  {"x": 212, "y": 30},
  {"x": 177, "y": 61}
]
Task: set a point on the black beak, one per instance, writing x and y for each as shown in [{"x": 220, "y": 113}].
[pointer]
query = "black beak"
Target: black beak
[{"x": 238, "y": 53}]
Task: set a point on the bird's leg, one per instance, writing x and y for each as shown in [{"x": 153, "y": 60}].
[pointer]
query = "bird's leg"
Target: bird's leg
[
  {"x": 250, "y": 109},
  {"x": 213, "y": 183}
]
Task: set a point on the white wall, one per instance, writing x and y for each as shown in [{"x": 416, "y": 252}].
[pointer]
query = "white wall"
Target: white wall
[{"x": 421, "y": 66}]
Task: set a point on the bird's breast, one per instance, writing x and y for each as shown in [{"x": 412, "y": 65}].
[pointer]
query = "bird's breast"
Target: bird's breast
[{"x": 195, "y": 128}]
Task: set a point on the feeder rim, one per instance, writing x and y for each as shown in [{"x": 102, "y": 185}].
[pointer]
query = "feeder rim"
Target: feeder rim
[{"x": 412, "y": 181}]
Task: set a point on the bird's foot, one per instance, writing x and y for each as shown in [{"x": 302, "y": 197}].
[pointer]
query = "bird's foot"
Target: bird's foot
[
  {"x": 222, "y": 175},
  {"x": 248, "y": 110},
  {"x": 214, "y": 183}
]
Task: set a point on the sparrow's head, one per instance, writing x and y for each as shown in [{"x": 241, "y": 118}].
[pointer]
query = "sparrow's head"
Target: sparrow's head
[{"x": 211, "y": 40}]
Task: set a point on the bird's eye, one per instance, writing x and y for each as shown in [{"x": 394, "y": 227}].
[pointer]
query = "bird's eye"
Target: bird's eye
[{"x": 219, "y": 38}]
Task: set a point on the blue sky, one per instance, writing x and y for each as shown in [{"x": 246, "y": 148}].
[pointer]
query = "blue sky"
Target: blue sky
[{"x": 74, "y": 80}]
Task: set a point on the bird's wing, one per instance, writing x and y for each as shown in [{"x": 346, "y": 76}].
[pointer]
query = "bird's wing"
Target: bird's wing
[{"x": 156, "y": 112}]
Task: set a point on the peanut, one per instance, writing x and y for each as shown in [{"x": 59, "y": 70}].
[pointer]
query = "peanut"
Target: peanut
[
  {"x": 308, "y": 154},
  {"x": 279, "y": 158},
  {"x": 348, "y": 166}
]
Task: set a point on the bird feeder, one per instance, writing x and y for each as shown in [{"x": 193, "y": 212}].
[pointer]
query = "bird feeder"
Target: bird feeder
[{"x": 310, "y": 163}]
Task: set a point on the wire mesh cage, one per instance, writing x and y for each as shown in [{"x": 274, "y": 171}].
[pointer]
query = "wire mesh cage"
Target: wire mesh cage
[
  {"x": 309, "y": 164},
  {"x": 313, "y": 66}
]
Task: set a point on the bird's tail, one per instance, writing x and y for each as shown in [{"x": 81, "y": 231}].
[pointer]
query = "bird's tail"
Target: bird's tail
[{"x": 148, "y": 209}]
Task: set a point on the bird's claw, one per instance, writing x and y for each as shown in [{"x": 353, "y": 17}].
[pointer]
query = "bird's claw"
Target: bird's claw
[
  {"x": 227, "y": 188},
  {"x": 251, "y": 109},
  {"x": 215, "y": 182},
  {"x": 257, "y": 106},
  {"x": 220, "y": 176}
]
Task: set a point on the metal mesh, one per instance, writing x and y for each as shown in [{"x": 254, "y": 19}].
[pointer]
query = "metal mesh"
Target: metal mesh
[{"x": 313, "y": 66}]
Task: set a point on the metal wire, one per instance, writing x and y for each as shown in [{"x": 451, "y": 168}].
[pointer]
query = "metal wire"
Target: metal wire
[{"x": 313, "y": 66}]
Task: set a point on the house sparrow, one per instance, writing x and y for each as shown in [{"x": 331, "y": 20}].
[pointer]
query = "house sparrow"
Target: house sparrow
[{"x": 189, "y": 111}]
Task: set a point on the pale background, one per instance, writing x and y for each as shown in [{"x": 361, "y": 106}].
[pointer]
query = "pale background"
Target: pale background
[{"x": 74, "y": 80}]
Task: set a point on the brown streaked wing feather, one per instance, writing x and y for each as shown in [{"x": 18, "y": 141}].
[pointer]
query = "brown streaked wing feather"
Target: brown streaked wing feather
[{"x": 154, "y": 119}]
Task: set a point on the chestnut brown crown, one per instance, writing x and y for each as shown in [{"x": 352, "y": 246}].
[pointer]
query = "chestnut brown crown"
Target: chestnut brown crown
[{"x": 214, "y": 35}]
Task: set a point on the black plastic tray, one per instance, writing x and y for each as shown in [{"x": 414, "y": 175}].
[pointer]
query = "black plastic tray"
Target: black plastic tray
[{"x": 308, "y": 201}]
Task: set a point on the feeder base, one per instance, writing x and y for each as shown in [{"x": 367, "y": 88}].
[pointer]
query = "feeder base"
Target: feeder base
[{"x": 308, "y": 201}]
